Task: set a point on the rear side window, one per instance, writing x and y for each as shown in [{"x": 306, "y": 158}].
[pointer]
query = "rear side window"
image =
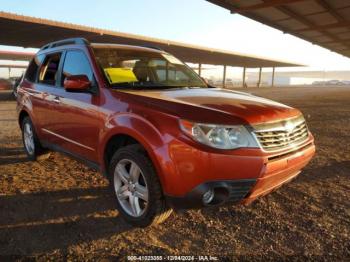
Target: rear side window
[
  {"x": 49, "y": 70},
  {"x": 76, "y": 63},
  {"x": 33, "y": 67}
]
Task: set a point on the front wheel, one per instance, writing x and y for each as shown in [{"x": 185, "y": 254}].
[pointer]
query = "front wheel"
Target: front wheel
[{"x": 137, "y": 188}]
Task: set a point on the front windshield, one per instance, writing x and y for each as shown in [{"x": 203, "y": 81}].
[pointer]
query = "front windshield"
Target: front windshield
[{"x": 138, "y": 69}]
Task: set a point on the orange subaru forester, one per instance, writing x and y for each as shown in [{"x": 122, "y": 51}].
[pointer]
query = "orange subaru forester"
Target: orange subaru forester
[{"x": 163, "y": 137}]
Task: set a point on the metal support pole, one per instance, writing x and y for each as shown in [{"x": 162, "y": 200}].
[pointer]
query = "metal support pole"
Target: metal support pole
[
  {"x": 9, "y": 72},
  {"x": 259, "y": 81},
  {"x": 224, "y": 78},
  {"x": 273, "y": 77},
  {"x": 244, "y": 72},
  {"x": 200, "y": 69}
]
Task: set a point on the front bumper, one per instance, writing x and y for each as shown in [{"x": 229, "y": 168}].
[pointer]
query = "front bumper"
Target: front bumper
[
  {"x": 280, "y": 171},
  {"x": 240, "y": 179},
  {"x": 233, "y": 191}
]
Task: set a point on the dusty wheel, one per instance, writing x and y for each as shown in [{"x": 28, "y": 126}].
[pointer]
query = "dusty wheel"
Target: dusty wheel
[
  {"x": 30, "y": 140},
  {"x": 138, "y": 191}
]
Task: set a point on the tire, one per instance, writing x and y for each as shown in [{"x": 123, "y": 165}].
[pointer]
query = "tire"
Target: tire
[
  {"x": 31, "y": 142},
  {"x": 154, "y": 210}
]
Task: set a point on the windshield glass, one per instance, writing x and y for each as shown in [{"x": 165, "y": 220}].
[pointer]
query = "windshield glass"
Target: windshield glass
[{"x": 127, "y": 68}]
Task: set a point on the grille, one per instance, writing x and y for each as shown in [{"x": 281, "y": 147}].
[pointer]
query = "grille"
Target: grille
[{"x": 282, "y": 134}]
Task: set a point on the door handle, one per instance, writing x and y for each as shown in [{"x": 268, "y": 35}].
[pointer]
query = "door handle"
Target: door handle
[{"x": 57, "y": 100}]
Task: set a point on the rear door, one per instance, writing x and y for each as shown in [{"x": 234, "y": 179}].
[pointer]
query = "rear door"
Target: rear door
[
  {"x": 46, "y": 105},
  {"x": 28, "y": 96}
]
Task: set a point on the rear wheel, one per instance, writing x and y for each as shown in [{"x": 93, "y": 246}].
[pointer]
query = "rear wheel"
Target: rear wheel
[
  {"x": 138, "y": 191},
  {"x": 30, "y": 140}
]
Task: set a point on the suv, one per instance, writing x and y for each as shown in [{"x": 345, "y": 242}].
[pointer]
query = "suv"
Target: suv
[{"x": 163, "y": 137}]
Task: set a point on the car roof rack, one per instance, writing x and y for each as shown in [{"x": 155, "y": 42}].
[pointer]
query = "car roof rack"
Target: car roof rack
[
  {"x": 68, "y": 41},
  {"x": 153, "y": 47}
]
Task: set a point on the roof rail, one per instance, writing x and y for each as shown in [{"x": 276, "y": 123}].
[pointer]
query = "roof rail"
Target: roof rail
[
  {"x": 68, "y": 41},
  {"x": 153, "y": 47}
]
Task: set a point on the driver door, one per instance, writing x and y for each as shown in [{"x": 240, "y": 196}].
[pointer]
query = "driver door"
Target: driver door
[{"x": 78, "y": 122}]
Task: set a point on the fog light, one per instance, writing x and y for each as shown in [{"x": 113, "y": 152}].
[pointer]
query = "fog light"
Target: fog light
[{"x": 208, "y": 196}]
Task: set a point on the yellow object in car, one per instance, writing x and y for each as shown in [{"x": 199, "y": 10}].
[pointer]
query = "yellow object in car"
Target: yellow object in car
[{"x": 120, "y": 75}]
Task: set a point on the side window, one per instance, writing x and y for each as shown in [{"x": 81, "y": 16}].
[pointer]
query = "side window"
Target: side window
[
  {"x": 49, "y": 70},
  {"x": 76, "y": 63},
  {"x": 33, "y": 67}
]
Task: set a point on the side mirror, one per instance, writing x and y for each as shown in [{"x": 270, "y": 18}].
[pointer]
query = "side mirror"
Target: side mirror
[{"x": 76, "y": 83}]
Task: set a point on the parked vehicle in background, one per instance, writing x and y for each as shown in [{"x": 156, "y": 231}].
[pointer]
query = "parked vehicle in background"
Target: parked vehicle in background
[
  {"x": 333, "y": 82},
  {"x": 318, "y": 83},
  {"x": 161, "y": 135},
  {"x": 15, "y": 85},
  {"x": 345, "y": 82},
  {"x": 5, "y": 84}
]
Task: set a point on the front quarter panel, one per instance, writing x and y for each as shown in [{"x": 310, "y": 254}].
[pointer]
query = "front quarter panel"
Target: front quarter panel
[{"x": 141, "y": 130}]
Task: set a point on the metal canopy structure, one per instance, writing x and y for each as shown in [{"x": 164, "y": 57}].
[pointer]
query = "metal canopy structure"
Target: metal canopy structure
[
  {"x": 14, "y": 66},
  {"x": 338, "y": 75},
  {"x": 322, "y": 22},
  {"x": 16, "y": 56},
  {"x": 18, "y": 30}
]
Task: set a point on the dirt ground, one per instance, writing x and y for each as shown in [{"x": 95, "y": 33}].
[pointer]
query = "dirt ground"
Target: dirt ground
[{"x": 59, "y": 209}]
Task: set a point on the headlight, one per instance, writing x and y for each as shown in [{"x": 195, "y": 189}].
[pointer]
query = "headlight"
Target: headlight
[{"x": 219, "y": 136}]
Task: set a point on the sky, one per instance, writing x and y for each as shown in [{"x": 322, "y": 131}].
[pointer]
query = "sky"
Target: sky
[{"x": 190, "y": 21}]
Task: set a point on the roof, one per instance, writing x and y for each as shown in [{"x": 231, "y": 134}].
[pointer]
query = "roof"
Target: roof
[
  {"x": 322, "y": 22},
  {"x": 18, "y": 30}
]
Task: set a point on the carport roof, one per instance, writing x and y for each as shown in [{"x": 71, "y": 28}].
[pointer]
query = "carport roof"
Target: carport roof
[
  {"x": 18, "y": 30},
  {"x": 14, "y": 55},
  {"x": 322, "y": 22},
  {"x": 12, "y": 66}
]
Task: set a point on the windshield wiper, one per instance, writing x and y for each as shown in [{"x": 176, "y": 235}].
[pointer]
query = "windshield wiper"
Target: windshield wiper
[
  {"x": 121, "y": 84},
  {"x": 128, "y": 85}
]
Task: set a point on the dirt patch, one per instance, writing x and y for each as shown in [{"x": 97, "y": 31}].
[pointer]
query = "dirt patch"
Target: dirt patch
[{"x": 57, "y": 208}]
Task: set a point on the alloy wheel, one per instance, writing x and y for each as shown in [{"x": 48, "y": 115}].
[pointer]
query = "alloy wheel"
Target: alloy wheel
[
  {"x": 28, "y": 138},
  {"x": 131, "y": 188}
]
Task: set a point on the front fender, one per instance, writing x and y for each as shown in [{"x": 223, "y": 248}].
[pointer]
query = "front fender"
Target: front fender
[{"x": 141, "y": 130}]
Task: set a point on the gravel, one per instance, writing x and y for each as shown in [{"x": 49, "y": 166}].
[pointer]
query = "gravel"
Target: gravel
[{"x": 56, "y": 208}]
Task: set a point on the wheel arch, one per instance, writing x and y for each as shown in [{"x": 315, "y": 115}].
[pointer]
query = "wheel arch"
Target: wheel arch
[
  {"x": 21, "y": 116},
  {"x": 121, "y": 139},
  {"x": 114, "y": 143},
  {"x": 130, "y": 129}
]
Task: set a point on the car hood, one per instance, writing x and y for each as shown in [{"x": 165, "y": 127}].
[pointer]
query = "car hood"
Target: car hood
[{"x": 241, "y": 105}]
